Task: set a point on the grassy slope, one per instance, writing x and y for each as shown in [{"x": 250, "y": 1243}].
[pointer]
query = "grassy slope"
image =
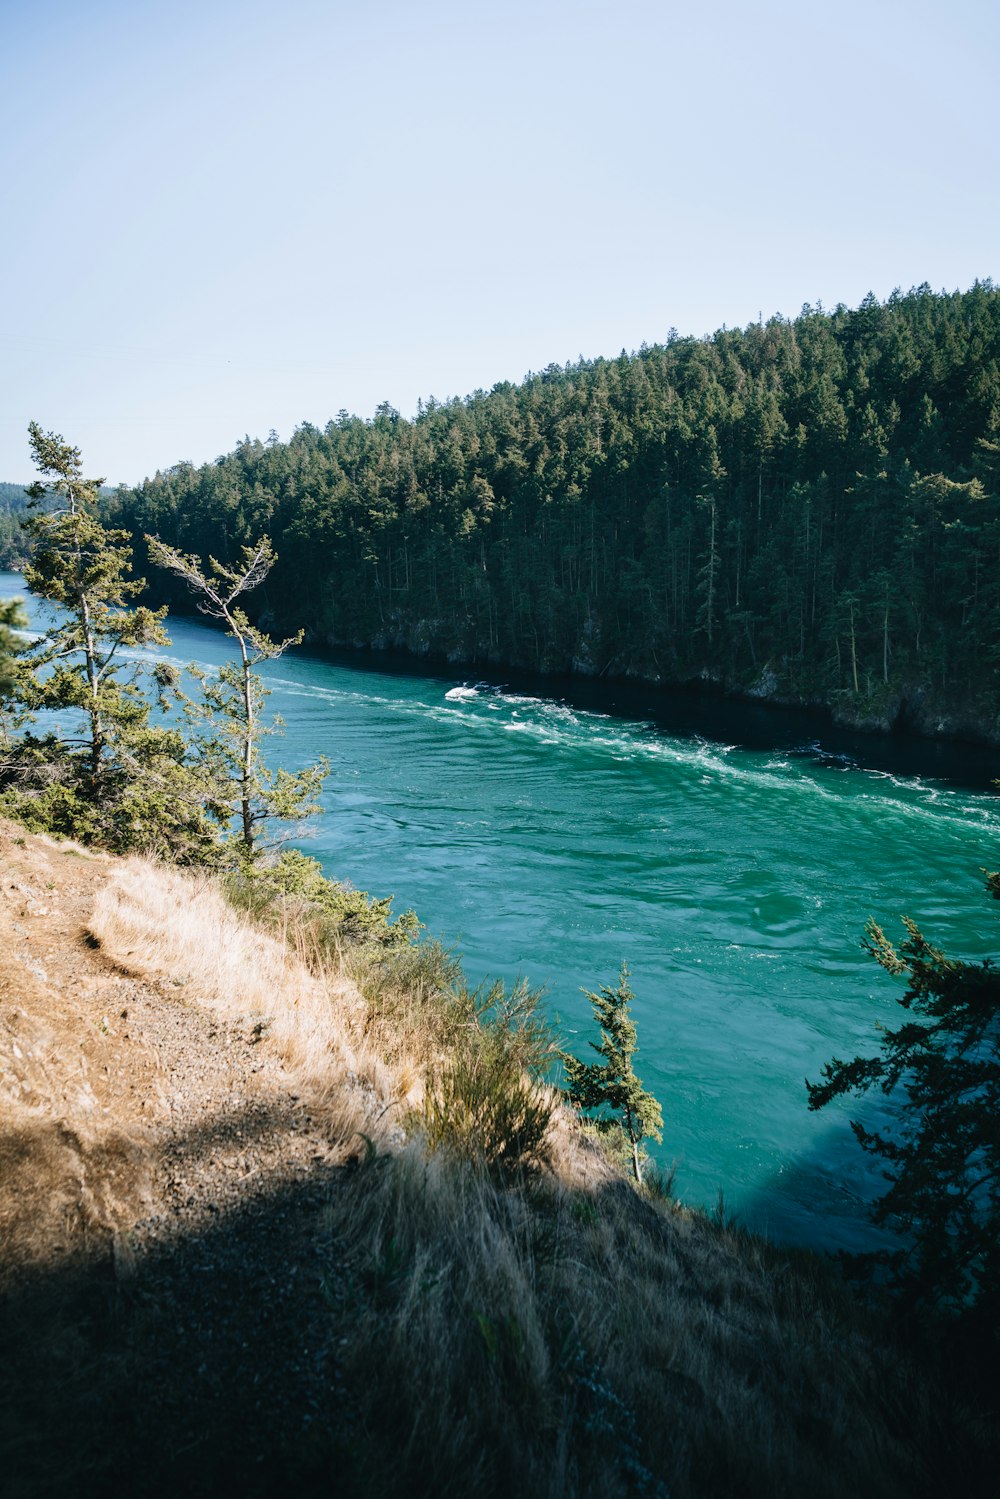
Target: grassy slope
[{"x": 231, "y": 1263}]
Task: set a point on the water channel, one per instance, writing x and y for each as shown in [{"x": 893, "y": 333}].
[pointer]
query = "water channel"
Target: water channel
[{"x": 730, "y": 855}]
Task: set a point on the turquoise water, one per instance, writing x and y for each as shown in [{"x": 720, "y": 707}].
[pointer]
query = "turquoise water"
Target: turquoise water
[{"x": 551, "y": 839}]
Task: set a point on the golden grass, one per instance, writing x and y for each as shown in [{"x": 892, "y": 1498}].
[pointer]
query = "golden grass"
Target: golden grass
[
  {"x": 72, "y": 1174},
  {"x": 550, "y": 1334},
  {"x": 547, "y": 1341},
  {"x": 363, "y": 1035},
  {"x": 178, "y": 928}
]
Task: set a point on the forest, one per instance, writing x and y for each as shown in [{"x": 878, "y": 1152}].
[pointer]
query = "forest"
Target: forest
[
  {"x": 806, "y": 510},
  {"x": 14, "y": 543},
  {"x": 462, "y": 1142}
]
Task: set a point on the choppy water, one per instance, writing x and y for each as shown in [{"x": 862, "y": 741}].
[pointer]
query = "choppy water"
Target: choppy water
[{"x": 555, "y": 840}]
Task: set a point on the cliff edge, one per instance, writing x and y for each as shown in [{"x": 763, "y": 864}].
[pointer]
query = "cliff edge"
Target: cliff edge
[{"x": 233, "y": 1260}]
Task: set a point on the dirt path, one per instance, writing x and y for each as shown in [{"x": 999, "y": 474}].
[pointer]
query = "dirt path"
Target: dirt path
[
  {"x": 166, "y": 1256},
  {"x": 103, "y": 1057}
]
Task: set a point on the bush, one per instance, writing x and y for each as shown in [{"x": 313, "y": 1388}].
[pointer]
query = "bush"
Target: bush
[
  {"x": 484, "y": 1108},
  {"x": 339, "y": 914},
  {"x": 47, "y": 788},
  {"x": 488, "y": 1103}
]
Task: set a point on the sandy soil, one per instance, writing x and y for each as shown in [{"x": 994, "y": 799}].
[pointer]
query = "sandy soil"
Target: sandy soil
[{"x": 166, "y": 1255}]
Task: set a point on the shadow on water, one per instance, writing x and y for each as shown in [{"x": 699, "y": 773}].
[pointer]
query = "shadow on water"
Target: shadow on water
[
  {"x": 698, "y": 712},
  {"x": 822, "y": 1199}
]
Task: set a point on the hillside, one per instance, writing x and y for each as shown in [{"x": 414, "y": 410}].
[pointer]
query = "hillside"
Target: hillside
[
  {"x": 13, "y": 550},
  {"x": 14, "y": 544},
  {"x": 806, "y": 510},
  {"x": 233, "y": 1263}
]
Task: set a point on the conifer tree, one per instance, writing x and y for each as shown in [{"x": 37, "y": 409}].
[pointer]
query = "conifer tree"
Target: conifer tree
[
  {"x": 11, "y": 616},
  {"x": 83, "y": 568},
  {"x": 611, "y": 1086},
  {"x": 112, "y": 776},
  {"x": 230, "y": 712},
  {"x": 941, "y": 1152}
]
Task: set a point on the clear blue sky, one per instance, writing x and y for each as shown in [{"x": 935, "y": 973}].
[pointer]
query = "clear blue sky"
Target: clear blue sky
[{"x": 227, "y": 216}]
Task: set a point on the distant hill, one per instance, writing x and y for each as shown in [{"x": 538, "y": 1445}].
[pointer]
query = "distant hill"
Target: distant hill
[{"x": 806, "y": 510}]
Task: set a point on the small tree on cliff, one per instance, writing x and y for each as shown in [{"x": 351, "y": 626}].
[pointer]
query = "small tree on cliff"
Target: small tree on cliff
[
  {"x": 84, "y": 569},
  {"x": 611, "y": 1087},
  {"x": 113, "y": 776},
  {"x": 232, "y": 701},
  {"x": 941, "y": 1155}
]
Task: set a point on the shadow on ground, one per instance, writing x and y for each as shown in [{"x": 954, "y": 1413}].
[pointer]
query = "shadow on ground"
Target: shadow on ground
[
  {"x": 194, "y": 1360},
  {"x": 201, "y": 1354}
]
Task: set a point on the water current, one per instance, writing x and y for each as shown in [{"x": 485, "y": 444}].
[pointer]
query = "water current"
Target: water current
[{"x": 730, "y": 856}]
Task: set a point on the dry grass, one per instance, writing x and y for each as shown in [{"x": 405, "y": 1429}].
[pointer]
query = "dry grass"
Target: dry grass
[
  {"x": 548, "y": 1332},
  {"x": 367, "y": 1034},
  {"x": 551, "y": 1342},
  {"x": 71, "y": 1171},
  {"x": 179, "y": 929}
]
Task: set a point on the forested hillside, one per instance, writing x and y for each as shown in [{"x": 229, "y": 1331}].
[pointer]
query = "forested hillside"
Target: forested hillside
[
  {"x": 806, "y": 509},
  {"x": 13, "y": 543}
]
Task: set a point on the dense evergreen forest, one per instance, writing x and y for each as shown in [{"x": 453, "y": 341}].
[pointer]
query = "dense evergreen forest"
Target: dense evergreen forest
[
  {"x": 13, "y": 541},
  {"x": 805, "y": 509}
]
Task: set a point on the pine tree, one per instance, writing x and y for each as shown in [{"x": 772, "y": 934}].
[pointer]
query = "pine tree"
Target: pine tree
[
  {"x": 611, "y": 1086},
  {"x": 112, "y": 776},
  {"x": 11, "y": 617},
  {"x": 83, "y": 568},
  {"x": 941, "y": 1154},
  {"x": 231, "y": 709}
]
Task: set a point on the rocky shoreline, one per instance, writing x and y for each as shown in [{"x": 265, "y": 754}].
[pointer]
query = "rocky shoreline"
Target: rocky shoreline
[{"x": 912, "y": 709}]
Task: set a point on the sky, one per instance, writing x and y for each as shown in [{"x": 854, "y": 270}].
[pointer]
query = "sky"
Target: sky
[{"x": 226, "y": 217}]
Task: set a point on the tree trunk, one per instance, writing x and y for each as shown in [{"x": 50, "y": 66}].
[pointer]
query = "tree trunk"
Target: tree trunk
[
  {"x": 246, "y": 781},
  {"x": 854, "y": 653},
  {"x": 96, "y": 726}
]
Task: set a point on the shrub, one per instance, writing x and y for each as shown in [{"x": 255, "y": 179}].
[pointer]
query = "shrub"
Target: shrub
[
  {"x": 482, "y": 1106},
  {"x": 340, "y": 914},
  {"x": 488, "y": 1102}
]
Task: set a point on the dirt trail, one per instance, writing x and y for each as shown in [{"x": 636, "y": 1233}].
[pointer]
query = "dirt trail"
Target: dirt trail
[
  {"x": 103, "y": 1063},
  {"x": 163, "y": 1234}
]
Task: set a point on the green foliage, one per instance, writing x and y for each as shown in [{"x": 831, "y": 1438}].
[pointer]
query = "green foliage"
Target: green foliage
[
  {"x": 625, "y": 1112},
  {"x": 941, "y": 1154},
  {"x": 814, "y": 502},
  {"x": 487, "y": 1102},
  {"x": 150, "y": 801},
  {"x": 344, "y": 916},
  {"x": 229, "y": 715},
  {"x": 83, "y": 568},
  {"x": 115, "y": 777},
  {"x": 15, "y": 548},
  {"x": 12, "y": 618}
]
